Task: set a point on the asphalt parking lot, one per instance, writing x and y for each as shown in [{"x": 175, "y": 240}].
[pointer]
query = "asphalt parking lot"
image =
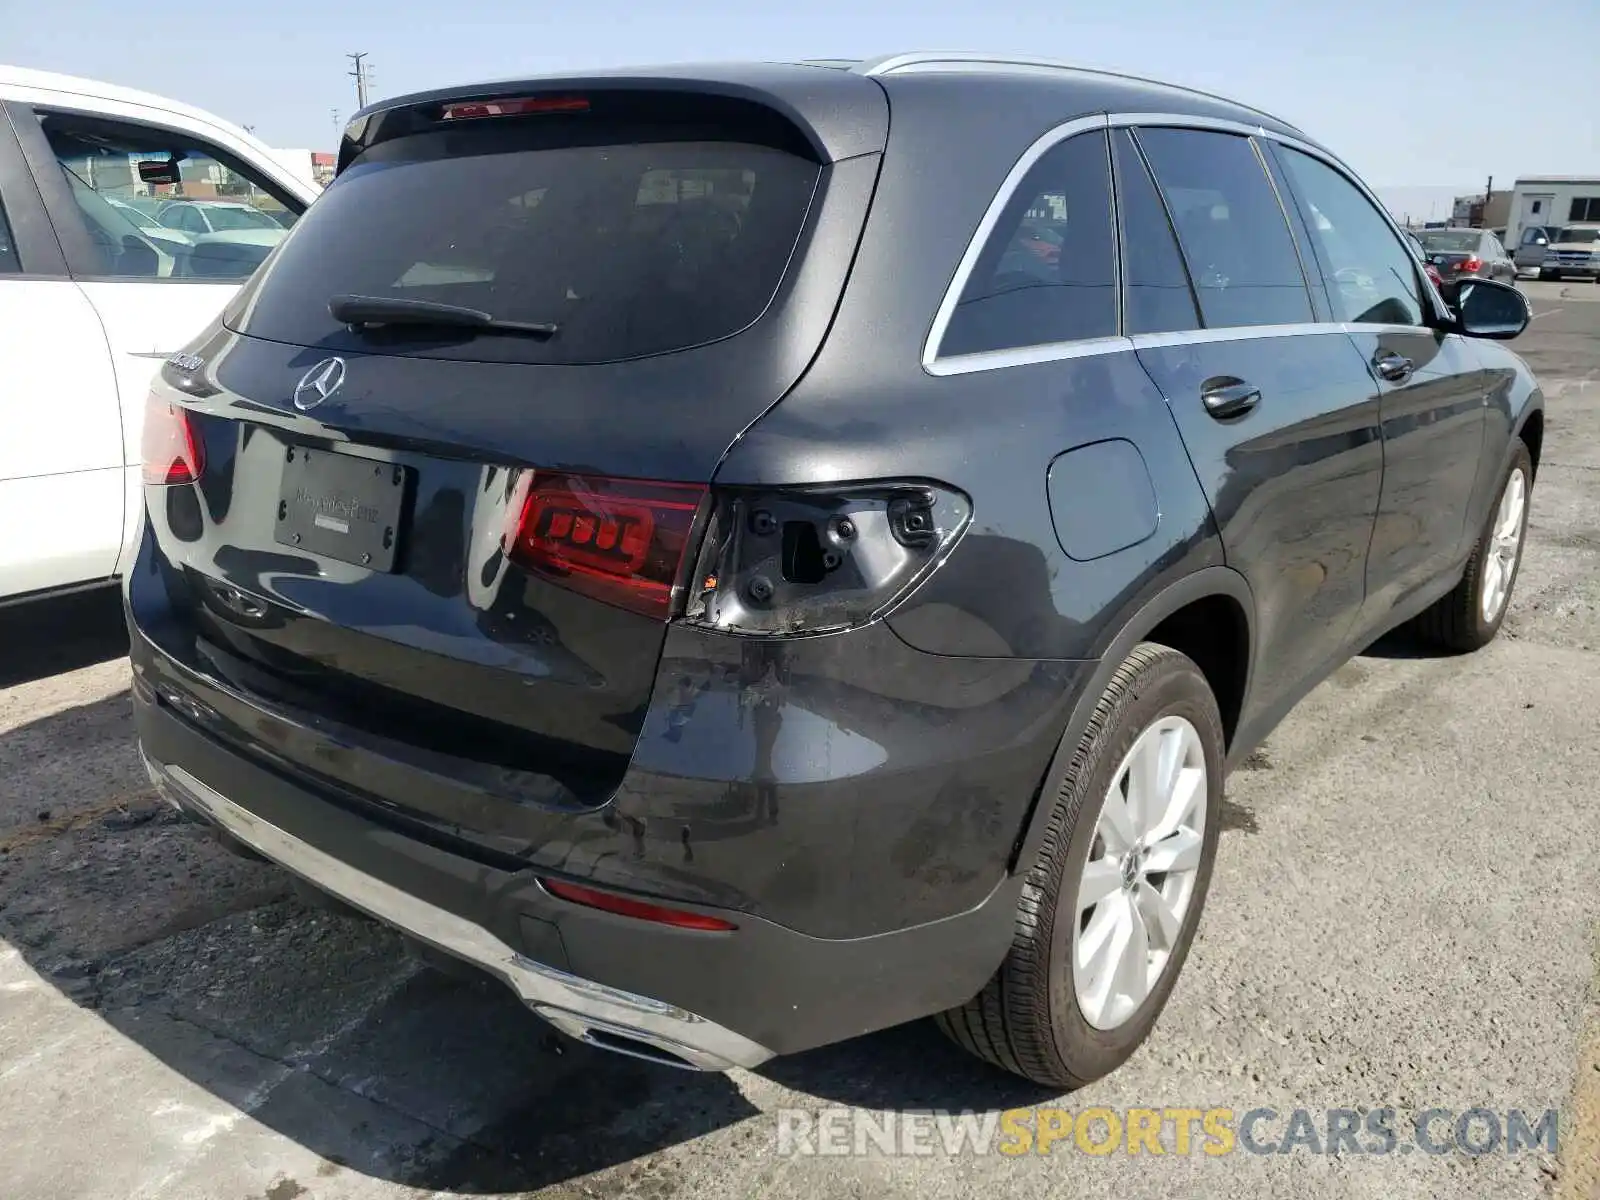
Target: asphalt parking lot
[{"x": 1404, "y": 913}]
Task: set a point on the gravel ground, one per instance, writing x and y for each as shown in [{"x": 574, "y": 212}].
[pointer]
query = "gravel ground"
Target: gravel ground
[{"x": 1403, "y": 913}]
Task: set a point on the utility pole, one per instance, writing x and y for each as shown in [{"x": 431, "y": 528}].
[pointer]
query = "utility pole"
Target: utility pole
[{"x": 362, "y": 77}]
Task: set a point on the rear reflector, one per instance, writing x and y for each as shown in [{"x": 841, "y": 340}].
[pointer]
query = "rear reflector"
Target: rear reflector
[
  {"x": 640, "y": 909},
  {"x": 519, "y": 107},
  {"x": 171, "y": 452},
  {"x": 621, "y": 541}
]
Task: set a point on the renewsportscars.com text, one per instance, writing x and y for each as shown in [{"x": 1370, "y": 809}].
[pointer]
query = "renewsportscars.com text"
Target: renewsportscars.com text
[{"x": 1211, "y": 1132}]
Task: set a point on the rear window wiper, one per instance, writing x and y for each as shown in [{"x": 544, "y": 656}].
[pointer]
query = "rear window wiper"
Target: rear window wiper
[{"x": 366, "y": 311}]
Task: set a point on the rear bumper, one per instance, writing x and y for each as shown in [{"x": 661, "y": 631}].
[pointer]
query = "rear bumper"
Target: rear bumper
[
  {"x": 591, "y": 1011},
  {"x": 703, "y": 1000}
]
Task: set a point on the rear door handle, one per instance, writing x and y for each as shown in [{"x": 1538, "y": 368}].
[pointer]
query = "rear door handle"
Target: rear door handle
[
  {"x": 1391, "y": 366},
  {"x": 1225, "y": 396}
]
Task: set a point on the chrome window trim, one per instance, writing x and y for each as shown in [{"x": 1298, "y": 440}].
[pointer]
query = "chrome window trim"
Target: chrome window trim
[
  {"x": 990, "y": 360},
  {"x": 1233, "y": 333},
  {"x": 1023, "y": 356}
]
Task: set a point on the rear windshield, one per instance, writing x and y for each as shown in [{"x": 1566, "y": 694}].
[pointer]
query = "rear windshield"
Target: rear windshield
[
  {"x": 627, "y": 249},
  {"x": 1446, "y": 241},
  {"x": 1578, "y": 235}
]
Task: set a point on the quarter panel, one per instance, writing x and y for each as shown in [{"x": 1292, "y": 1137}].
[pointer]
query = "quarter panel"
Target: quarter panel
[{"x": 1008, "y": 589}]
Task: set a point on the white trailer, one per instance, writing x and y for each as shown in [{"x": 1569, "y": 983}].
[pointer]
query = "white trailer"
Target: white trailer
[{"x": 1551, "y": 200}]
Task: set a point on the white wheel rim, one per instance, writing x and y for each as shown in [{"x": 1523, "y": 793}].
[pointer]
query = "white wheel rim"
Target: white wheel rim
[
  {"x": 1505, "y": 541},
  {"x": 1139, "y": 877}
]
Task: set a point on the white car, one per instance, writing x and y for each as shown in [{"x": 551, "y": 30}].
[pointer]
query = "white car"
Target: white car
[
  {"x": 218, "y": 217},
  {"x": 96, "y": 289}
]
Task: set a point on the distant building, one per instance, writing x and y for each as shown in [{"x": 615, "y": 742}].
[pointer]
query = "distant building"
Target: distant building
[
  {"x": 1478, "y": 213},
  {"x": 313, "y": 166}
]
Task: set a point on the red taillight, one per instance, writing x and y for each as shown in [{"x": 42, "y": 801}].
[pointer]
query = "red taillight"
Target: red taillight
[
  {"x": 622, "y": 541},
  {"x": 1472, "y": 264},
  {"x": 1433, "y": 274},
  {"x": 171, "y": 452},
  {"x": 642, "y": 910},
  {"x": 518, "y": 107}
]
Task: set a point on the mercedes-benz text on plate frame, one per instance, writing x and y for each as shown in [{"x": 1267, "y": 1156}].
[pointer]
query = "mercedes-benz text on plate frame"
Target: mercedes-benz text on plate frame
[{"x": 317, "y": 384}]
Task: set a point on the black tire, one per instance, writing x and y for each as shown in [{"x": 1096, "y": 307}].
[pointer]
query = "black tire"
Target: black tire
[
  {"x": 1456, "y": 622},
  {"x": 1545, "y": 276},
  {"x": 1027, "y": 1019}
]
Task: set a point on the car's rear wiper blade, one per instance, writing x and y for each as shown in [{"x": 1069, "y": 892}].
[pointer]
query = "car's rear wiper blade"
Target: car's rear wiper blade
[{"x": 365, "y": 311}]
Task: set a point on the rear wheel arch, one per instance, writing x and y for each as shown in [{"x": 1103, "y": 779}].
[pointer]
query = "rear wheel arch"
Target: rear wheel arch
[{"x": 1188, "y": 615}]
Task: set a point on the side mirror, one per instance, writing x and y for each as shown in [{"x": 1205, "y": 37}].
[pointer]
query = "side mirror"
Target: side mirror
[
  {"x": 1541, "y": 241},
  {"x": 1487, "y": 308}
]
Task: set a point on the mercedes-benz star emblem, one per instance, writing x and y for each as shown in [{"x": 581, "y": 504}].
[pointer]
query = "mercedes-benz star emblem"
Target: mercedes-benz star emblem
[{"x": 317, "y": 384}]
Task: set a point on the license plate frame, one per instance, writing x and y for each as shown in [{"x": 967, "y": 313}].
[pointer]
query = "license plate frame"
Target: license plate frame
[{"x": 343, "y": 507}]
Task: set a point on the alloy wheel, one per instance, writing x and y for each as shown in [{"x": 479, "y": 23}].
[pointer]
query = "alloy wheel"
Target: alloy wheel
[
  {"x": 1505, "y": 540},
  {"x": 1139, "y": 879}
]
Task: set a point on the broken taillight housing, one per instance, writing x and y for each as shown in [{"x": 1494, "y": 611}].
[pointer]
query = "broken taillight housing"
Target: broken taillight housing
[
  {"x": 621, "y": 541},
  {"x": 170, "y": 451},
  {"x": 819, "y": 560}
]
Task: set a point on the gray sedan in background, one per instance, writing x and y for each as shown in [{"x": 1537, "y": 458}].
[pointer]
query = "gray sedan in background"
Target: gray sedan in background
[{"x": 1460, "y": 254}]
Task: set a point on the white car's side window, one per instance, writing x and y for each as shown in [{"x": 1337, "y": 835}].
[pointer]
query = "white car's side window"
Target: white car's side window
[{"x": 161, "y": 205}]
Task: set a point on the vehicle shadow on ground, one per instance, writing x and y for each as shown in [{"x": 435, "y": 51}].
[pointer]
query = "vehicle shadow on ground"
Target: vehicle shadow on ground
[
  {"x": 321, "y": 1027},
  {"x": 65, "y": 633},
  {"x": 1402, "y": 644}
]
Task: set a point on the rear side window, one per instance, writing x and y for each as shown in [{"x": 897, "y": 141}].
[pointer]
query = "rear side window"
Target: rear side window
[
  {"x": 1156, "y": 294},
  {"x": 1047, "y": 273},
  {"x": 628, "y": 249},
  {"x": 1371, "y": 277},
  {"x": 1235, "y": 238}
]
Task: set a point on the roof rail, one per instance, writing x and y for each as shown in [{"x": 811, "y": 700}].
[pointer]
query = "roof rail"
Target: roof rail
[{"x": 888, "y": 64}]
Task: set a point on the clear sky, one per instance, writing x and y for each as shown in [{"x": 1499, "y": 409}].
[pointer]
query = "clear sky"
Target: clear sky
[{"x": 1440, "y": 97}]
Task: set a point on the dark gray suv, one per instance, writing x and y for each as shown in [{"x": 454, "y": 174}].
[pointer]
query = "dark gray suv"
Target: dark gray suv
[{"x": 751, "y": 555}]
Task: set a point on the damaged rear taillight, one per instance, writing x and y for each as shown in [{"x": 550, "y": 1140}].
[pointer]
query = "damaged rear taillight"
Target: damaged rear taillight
[
  {"x": 171, "y": 452},
  {"x": 621, "y": 541},
  {"x": 819, "y": 560}
]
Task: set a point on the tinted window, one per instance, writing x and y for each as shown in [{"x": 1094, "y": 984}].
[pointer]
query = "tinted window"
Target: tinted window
[
  {"x": 1156, "y": 296},
  {"x": 1370, "y": 276},
  {"x": 8, "y": 247},
  {"x": 629, "y": 249},
  {"x": 1578, "y": 235},
  {"x": 1585, "y": 208},
  {"x": 120, "y": 173},
  {"x": 1233, "y": 232},
  {"x": 1452, "y": 240},
  {"x": 1047, "y": 273}
]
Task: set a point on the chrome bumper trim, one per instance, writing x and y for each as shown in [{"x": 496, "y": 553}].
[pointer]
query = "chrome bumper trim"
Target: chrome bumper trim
[{"x": 603, "y": 1016}]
